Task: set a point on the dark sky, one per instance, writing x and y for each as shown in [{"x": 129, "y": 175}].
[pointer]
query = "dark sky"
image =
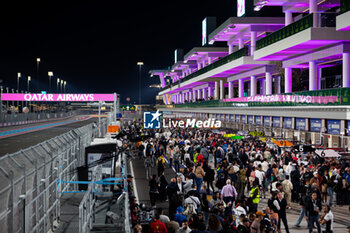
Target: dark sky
[{"x": 95, "y": 45}]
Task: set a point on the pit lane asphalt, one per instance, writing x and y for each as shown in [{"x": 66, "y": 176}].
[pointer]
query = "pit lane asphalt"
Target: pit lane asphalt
[{"x": 15, "y": 143}]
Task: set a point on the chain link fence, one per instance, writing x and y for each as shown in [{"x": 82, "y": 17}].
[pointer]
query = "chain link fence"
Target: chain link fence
[
  {"x": 29, "y": 118},
  {"x": 29, "y": 200}
]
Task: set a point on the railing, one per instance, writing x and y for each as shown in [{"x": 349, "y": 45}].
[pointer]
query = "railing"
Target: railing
[
  {"x": 327, "y": 19},
  {"x": 28, "y": 118},
  {"x": 344, "y": 6},
  {"x": 29, "y": 199},
  {"x": 291, "y": 29},
  {"x": 329, "y": 97},
  {"x": 231, "y": 57}
]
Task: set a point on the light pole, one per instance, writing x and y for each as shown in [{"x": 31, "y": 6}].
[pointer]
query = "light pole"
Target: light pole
[
  {"x": 13, "y": 91},
  {"x": 7, "y": 102},
  {"x": 64, "y": 87},
  {"x": 50, "y": 73},
  {"x": 140, "y": 64},
  {"x": 58, "y": 82},
  {"x": 18, "y": 76},
  {"x": 61, "y": 85},
  {"x": 22, "y": 102},
  {"x": 37, "y": 74},
  {"x": 28, "y": 81}
]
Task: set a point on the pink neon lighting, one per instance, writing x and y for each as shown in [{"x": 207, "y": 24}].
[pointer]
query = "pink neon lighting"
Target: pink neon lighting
[
  {"x": 58, "y": 97},
  {"x": 286, "y": 98}
]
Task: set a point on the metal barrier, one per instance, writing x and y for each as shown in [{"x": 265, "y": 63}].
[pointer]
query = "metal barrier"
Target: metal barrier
[
  {"x": 29, "y": 118},
  {"x": 29, "y": 199},
  {"x": 87, "y": 205}
]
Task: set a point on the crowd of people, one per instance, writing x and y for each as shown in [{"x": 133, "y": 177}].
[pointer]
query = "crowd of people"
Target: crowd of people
[{"x": 220, "y": 182}]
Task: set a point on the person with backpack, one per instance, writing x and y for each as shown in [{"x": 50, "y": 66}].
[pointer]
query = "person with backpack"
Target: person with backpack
[{"x": 160, "y": 165}]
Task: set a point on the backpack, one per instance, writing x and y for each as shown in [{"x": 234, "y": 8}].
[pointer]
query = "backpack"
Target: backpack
[
  {"x": 231, "y": 171},
  {"x": 160, "y": 163},
  {"x": 189, "y": 211}
]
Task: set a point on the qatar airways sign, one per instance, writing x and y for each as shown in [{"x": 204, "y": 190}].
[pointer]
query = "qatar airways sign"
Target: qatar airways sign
[{"x": 58, "y": 97}]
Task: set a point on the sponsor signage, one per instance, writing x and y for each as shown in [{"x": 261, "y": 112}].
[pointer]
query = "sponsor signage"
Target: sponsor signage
[
  {"x": 287, "y": 99},
  {"x": 258, "y": 120},
  {"x": 315, "y": 125},
  {"x": 276, "y": 121},
  {"x": 250, "y": 119},
  {"x": 243, "y": 119},
  {"x": 237, "y": 118},
  {"x": 266, "y": 120},
  {"x": 57, "y": 97},
  {"x": 300, "y": 123},
  {"x": 333, "y": 126},
  {"x": 287, "y": 122}
]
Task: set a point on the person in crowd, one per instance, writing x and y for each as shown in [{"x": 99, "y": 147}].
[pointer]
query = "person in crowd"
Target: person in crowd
[
  {"x": 244, "y": 227},
  {"x": 199, "y": 172},
  {"x": 255, "y": 226},
  {"x": 163, "y": 183},
  {"x": 282, "y": 215},
  {"x": 255, "y": 194},
  {"x": 160, "y": 165},
  {"x": 157, "y": 225},
  {"x": 327, "y": 219},
  {"x": 179, "y": 216},
  {"x": 185, "y": 228},
  {"x": 287, "y": 187},
  {"x": 162, "y": 217},
  {"x": 153, "y": 190},
  {"x": 137, "y": 228},
  {"x": 312, "y": 211}
]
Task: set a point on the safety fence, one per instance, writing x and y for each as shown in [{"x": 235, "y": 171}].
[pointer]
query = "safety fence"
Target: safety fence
[
  {"x": 29, "y": 118},
  {"x": 29, "y": 199}
]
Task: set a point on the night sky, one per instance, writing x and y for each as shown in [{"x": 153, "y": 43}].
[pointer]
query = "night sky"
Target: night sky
[{"x": 95, "y": 45}]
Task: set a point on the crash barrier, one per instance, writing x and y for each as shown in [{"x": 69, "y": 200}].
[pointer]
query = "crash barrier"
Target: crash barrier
[
  {"x": 30, "y": 118},
  {"x": 29, "y": 201}
]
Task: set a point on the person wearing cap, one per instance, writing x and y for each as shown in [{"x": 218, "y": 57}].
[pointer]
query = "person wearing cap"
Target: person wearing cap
[
  {"x": 179, "y": 217},
  {"x": 255, "y": 227}
]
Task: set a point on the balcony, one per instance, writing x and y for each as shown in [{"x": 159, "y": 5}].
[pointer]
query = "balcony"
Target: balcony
[
  {"x": 312, "y": 32},
  {"x": 285, "y": 32},
  {"x": 329, "y": 97},
  {"x": 231, "y": 57}
]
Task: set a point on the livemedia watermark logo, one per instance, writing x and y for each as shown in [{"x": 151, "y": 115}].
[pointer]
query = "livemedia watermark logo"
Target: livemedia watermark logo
[{"x": 152, "y": 120}]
